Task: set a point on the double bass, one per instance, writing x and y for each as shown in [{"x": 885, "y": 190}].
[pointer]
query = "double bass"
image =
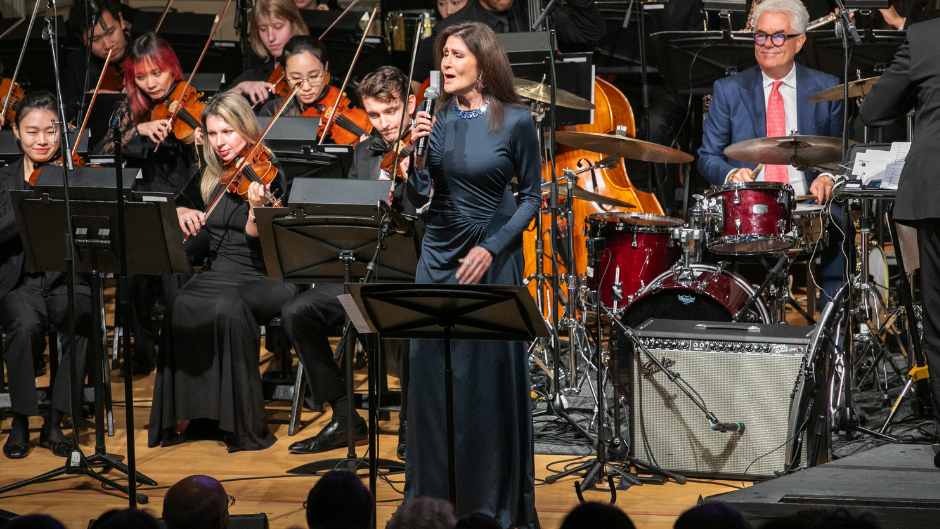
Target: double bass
[{"x": 611, "y": 110}]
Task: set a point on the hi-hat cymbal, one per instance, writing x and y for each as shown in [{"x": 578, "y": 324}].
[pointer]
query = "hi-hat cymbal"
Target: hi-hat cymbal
[
  {"x": 858, "y": 88},
  {"x": 542, "y": 93},
  {"x": 622, "y": 147},
  {"x": 799, "y": 151},
  {"x": 583, "y": 194}
]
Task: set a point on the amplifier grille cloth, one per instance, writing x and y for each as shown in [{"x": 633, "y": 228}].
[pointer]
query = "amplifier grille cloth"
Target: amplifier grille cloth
[{"x": 753, "y": 389}]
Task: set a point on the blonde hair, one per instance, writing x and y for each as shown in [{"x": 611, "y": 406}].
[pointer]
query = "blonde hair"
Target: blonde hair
[
  {"x": 285, "y": 9},
  {"x": 234, "y": 110}
]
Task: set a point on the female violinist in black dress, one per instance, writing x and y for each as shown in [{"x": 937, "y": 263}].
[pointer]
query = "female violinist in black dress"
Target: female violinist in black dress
[
  {"x": 270, "y": 25},
  {"x": 207, "y": 369},
  {"x": 30, "y": 301},
  {"x": 479, "y": 140}
]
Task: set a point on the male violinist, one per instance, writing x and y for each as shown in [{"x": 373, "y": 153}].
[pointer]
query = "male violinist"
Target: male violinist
[
  {"x": 770, "y": 100},
  {"x": 87, "y": 24},
  {"x": 307, "y": 317}
]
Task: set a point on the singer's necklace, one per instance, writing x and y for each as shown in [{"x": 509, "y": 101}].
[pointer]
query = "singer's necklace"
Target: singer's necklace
[{"x": 470, "y": 114}]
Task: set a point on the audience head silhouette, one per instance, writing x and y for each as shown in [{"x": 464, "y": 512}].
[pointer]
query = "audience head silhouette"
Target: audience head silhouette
[
  {"x": 196, "y": 502},
  {"x": 423, "y": 513},
  {"x": 711, "y": 516},
  {"x": 126, "y": 519},
  {"x": 339, "y": 500},
  {"x": 34, "y": 521},
  {"x": 592, "y": 515}
]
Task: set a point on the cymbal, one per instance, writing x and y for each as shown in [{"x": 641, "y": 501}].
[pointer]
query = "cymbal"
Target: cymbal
[
  {"x": 799, "y": 151},
  {"x": 583, "y": 194},
  {"x": 543, "y": 93},
  {"x": 622, "y": 147},
  {"x": 858, "y": 88}
]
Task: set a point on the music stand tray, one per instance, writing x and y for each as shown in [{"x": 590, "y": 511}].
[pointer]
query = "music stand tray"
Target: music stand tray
[{"x": 445, "y": 312}]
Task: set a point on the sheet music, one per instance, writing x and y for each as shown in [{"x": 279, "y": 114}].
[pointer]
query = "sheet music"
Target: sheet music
[{"x": 884, "y": 166}]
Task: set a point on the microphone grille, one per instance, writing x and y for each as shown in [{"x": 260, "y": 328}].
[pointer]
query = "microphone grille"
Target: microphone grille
[{"x": 431, "y": 93}]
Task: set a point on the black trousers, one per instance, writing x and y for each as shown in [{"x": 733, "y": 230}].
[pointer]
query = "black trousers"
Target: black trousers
[
  {"x": 928, "y": 242},
  {"x": 25, "y": 315},
  {"x": 306, "y": 319}
]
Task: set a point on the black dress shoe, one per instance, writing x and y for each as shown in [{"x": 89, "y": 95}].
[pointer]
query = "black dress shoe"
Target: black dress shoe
[
  {"x": 332, "y": 436},
  {"x": 15, "y": 450},
  {"x": 173, "y": 439},
  {"x": 402, "y": 435},
  {"x": 61, "y": 449}
]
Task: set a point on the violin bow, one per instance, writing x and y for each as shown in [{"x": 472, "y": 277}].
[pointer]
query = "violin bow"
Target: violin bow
[
  {"x": 254, "y": 149},
  {"x": 342, "y": 90},
  {"x": 189, "y": 82},
  {"x": 327, "y": 30},
  {"x": 404, "y": 110},
  {"x": 16, "y": 72},
  {"x": 94, "y": 95},
  {"x": 11, "y": 28},
  {"x": 166, "y": 9}
]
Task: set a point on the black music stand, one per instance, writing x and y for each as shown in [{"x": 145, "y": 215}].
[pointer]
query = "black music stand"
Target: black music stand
[
  {"x": 331, "y": 242},
  {"x": 691, "y": 61},
  {"x": 154, "y": 246},
  {"x": 871, "y": 58},
  {"x": 446, "y": 312}
]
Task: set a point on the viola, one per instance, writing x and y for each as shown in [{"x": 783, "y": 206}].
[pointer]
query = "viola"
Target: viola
[
  {"x": 16, "y": 93},
  {"x": 400, "y": 150},
  {"x": 185, "y": 106},
  {"x": 240, "y": 173},
  {"x": 279, "y": 80},
  {"x": 351, "y": 123}
]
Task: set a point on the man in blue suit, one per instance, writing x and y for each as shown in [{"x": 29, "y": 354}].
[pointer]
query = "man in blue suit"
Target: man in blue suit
[{"x": 739, "y": 111}]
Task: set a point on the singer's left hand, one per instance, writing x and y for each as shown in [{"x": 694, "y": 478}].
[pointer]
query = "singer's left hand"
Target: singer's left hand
[{"x": 474, "y": 265}]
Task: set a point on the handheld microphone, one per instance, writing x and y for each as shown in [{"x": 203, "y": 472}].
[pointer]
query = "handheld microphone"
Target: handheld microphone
[
  {"x": 728, "y": 427},
  {"x": 430, "y": 97},
  {"x": 399, "y": 224}
]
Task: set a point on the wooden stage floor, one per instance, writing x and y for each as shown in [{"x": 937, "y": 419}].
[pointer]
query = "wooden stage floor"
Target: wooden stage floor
[{"x": 259, "y": 482}]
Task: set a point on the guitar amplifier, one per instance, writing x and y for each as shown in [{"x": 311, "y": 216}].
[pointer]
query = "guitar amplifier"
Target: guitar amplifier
[{"x": 763, "y": 376}]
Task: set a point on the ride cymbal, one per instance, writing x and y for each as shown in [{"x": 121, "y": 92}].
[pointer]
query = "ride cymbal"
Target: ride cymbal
[
  {"x": 858, "y": 88},
  {"x": 622, "y": 147},
  {"x": 798, "y": 151},
  {"x": 542, "y": 93}
]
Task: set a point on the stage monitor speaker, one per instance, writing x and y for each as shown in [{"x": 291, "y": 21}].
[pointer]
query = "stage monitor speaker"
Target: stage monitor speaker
[{"x": 746, "y": 373}]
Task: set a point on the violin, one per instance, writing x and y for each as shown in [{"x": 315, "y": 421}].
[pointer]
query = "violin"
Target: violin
[
  {"x": 113, "y": 78},
  {"x": 77, "y": 161},
  {"x": 251, "y": 165},
  {"x": 351, "y": 123},
  {"x": 279, "y": 80},
  {"x": 399, "y": 151},
  {"x": 181, "y": 108},
  {"x": 12, "y": 94}
]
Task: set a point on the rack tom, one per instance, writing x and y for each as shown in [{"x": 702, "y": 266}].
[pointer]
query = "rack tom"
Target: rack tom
[
  {"x": 750, "y": 218},
  {"x": 639, "y": 248},
  {"x": 810, "y": 222}
]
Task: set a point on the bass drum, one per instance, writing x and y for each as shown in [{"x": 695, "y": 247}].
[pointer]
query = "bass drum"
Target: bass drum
[{"x": 713, "y": 294}]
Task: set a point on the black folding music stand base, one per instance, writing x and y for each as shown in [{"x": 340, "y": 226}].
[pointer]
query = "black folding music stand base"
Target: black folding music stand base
[
  {"x": 445, "y": 312},
  {"x": 94, "y": 216}
]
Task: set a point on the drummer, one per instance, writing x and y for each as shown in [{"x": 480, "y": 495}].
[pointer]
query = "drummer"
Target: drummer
[{"x": 763, "y": 102}]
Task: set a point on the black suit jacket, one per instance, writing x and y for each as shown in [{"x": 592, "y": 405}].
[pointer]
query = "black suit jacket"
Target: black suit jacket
[
  {"x": 367, "y": 156},
  {"x": 913, "y": 81}
]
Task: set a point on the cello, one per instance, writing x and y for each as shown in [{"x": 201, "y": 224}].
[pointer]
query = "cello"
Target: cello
[{"x": 611, "y": 110}]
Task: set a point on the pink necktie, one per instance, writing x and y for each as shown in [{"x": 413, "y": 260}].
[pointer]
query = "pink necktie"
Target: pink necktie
[{"x": 776, "y": 126}]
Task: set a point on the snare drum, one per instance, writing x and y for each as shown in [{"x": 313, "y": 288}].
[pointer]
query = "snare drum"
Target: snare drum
[
  {"x": 810, "y": 222},
  {"x": 711, "y": 294},
  {"x": 639, "y": 248},
  {"x": 403, "y": 24},
  {"x": 750, "y": 218}
]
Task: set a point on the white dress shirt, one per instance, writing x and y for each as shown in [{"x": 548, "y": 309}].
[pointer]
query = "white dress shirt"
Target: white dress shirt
[{"x": 788, "y": 91}]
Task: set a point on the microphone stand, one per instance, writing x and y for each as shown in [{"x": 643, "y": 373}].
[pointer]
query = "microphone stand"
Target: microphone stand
[{"x": 76, "y": 463}]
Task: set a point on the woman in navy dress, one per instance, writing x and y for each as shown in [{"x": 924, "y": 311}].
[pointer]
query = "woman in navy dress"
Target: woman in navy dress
[{"x": 480, "y": 139}]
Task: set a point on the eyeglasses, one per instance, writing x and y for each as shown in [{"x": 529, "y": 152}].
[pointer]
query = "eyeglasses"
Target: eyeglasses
[
  {"x": 231, "y": 501},
  {"x": 313, "y": 80},
  {"x": 777, "y": 39}
]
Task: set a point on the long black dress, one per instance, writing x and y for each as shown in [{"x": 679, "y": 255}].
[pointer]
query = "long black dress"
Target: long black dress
[
  {"x": 473, "y": 205},
  {"x": 207, "y": 367}
]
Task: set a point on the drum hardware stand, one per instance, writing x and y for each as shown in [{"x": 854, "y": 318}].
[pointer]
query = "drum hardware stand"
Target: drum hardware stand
[{"x": 778, "y": 272}]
